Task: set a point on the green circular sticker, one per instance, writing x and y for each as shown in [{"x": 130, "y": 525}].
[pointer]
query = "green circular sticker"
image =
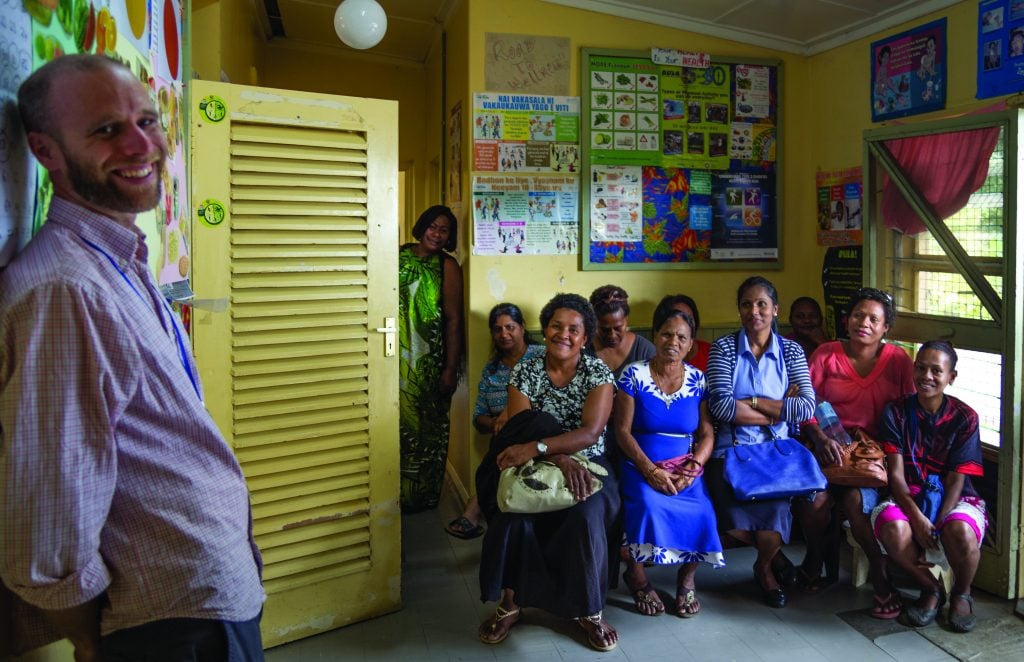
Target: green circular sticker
[
  {"x": 212, "y": 212},
  {"x": 213, "y": 108}
]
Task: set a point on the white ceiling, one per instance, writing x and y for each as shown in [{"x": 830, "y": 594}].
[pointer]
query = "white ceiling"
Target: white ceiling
[{"x": 797, "y": 26}]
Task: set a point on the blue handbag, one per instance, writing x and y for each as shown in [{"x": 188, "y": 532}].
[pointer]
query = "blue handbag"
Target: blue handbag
[{"x": 775, "y": 469}]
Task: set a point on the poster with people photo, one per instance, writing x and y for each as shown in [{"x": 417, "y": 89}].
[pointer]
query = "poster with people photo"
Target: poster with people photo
[
  {"x": 1000, "y": 47},
  {"x": 525, "y": 133},
  {"x": 525, "y": 215},
  {"x": 908, "y": 72},
  {"x": 839, "y": 207}
]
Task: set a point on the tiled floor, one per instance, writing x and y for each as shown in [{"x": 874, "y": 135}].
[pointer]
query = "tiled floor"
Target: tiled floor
[{"x": 442, "y": 612}]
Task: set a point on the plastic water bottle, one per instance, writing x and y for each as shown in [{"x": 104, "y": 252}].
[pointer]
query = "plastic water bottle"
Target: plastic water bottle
[{"x": 830, "y": 424}]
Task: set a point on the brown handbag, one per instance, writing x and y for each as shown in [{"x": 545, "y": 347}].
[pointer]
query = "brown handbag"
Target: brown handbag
[{"x": 863, "y": 464}]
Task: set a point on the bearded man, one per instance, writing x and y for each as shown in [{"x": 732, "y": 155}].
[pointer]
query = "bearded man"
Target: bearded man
[{"x": 124, "y": 515}]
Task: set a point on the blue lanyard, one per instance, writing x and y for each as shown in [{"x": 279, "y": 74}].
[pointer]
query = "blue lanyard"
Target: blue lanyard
[{"x": 182, "y": 354}]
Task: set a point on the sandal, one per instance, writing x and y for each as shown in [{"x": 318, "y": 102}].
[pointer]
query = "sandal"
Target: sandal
[
  {"x": 460, "y": 527},
  {"x": 887, "y": 607},
  {"x": 645, "y": 596},
  {"x": 687, "y": 604},
  {"x": 961, "y": 622},
  {"x": 489, "y": 629},
  {"x": 784, "y": 570},
  {"x": 598, "y": 632},
  {"x": 919, "y": 616}
]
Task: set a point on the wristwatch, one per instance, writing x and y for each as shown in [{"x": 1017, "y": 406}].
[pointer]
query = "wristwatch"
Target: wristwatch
[{"x": 542, "y": 448}]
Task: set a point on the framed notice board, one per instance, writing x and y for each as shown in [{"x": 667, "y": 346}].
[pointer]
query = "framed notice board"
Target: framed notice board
[{"x": 681, "y": 165}]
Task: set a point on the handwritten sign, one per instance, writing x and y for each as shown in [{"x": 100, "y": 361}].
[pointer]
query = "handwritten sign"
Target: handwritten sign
[
  {"x": 17, "y": 175},
  {"x": 527, "y": 63}
]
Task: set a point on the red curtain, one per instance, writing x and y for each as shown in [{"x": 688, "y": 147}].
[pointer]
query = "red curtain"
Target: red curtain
[{"x": 945, "y": 168}]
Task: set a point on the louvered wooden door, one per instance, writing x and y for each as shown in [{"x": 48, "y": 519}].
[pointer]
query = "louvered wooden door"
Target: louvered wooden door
[{"x": 292, "y": 193}]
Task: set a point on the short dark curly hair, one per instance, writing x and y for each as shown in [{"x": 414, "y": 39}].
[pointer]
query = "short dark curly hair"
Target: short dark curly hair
[
  {"x": 609, "y": 299},
  {"x": 575, "y": 303},
  {"x": 429, "y": 216},
  {"x": 943, "y": 346},
  {"x": 873, "y": 294}
]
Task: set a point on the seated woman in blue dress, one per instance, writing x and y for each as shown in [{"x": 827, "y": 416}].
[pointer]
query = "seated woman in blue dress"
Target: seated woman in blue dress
[{"x": 664, "y": 430}]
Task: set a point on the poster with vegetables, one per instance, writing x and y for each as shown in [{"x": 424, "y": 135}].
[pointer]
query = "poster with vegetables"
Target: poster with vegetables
[
  {"x": 145, "y": 35},
  {"x": 686, "y": 127},
  {"x": 525, "y": 133}
]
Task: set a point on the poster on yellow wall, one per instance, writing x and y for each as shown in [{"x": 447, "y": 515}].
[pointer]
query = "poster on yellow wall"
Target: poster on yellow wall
[
  {"x": 525, "y": 133},
  {"x": 839, "y": 207},
  {"x": 525, "y": 215}
]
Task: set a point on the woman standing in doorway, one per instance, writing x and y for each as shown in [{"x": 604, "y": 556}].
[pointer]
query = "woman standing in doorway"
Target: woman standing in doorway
[{"x": 431, "y": 346}]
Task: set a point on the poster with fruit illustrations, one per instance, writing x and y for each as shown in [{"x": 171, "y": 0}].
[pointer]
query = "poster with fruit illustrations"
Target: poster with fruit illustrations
[
  {"x": 127, "y": 30},
  {"x": 687, "y": 130}
]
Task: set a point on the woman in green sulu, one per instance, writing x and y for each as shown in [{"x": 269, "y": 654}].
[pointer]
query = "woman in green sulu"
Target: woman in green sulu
[{"x": 430, "y": 340}]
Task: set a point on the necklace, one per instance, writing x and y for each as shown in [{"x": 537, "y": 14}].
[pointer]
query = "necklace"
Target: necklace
[{"x": 667, "y": 384}]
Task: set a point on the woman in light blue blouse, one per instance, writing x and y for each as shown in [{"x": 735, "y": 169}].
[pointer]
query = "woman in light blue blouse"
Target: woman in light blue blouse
[
  {"x": 510, "y": 344},
  {"x": 749, "y": 375}
]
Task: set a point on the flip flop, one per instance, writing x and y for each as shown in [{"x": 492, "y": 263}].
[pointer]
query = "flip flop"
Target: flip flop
[
  {"x": 888, "y": 607},
  {"x": 645, "y": 595},
  {"x": 460, "y": 527},
  {"x": 687, "y": 598}
]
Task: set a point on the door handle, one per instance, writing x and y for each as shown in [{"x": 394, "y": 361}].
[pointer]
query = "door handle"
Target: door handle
[{"x": 389, "y": 330}]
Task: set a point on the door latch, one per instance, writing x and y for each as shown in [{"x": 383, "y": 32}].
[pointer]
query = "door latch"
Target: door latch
[{"x": 389, "y": 330}]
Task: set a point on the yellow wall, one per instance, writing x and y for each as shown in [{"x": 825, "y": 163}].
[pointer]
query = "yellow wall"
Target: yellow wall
[
  {"x": 840, "y": 108},
  {"x": 226, "y": 37}
]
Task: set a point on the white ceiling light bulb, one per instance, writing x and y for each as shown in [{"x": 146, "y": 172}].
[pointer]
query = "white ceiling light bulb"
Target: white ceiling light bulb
[{"x": 360, "y": 23}]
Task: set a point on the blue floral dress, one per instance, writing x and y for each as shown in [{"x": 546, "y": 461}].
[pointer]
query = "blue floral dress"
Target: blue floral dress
[{"x": 661, "y": 528}]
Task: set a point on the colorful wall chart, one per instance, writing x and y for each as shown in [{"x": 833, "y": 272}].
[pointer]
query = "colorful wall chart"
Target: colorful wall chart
[
  {"x": 1000, "y": 47},
  {"x": 840, "y": 199},
  {"x": 525, "y": 215},
  {"x": 680, "y": 161},
  {"x": 908, "y": 72},
  {"x": 525, "y": 133}
]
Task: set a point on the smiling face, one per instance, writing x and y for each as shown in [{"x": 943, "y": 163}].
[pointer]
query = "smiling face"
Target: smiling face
[
  {"x": 436, "y": 235},
  {"x": 804, "y": 318},
  {"x": 565, "y": 334},
  {"x": 933, "y": 372},
  {"x": 108, "y": 150},
  {"x": 673, "y": 340},
  {"x": 612, "y": 328},
  {"x": 866, "y": 324},
  {"x": 508, "y": 335},
  {"x": 757, "y": 310}
]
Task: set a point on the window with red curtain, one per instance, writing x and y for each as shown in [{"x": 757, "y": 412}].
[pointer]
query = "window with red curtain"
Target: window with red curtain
[{"x": 945, "y": 168}]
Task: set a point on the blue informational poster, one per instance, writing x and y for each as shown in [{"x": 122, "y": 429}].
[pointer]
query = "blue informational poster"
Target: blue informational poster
[
  {"x": 1000, "y": 47},
  {"x": 908, "y": 72}
]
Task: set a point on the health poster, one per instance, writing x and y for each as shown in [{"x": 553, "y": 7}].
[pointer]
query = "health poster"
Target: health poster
[
  {"x": 525, "y": 133},
  {"x": 675, "y": 220},
  {"x": 616, "y": 201},
  {"x": 1000, "y": 47},
  {"x": 743, "y": 216},
  {"x": 908, "y": 72},
  {"x": 839, "y": 207},
  {"x": 842, "y": 274},
  {"x": 696, "y": 116},
  {"x": 525, "y": 215}
]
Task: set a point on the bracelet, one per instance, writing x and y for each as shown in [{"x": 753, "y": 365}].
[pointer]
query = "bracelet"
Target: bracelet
[{"x": 753, "y": 402}]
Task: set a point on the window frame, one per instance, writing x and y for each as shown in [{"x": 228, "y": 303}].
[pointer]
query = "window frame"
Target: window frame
[{"x": 1002, "y": 567}]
